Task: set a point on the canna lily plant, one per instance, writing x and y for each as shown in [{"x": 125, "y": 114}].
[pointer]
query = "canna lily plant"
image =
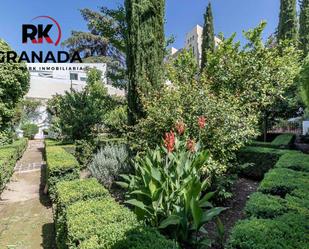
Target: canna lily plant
[{"x": 167, "y": 191}]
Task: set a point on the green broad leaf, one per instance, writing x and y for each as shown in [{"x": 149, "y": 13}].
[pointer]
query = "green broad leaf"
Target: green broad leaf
[
  {"x": 155, "y": 173},
  {"x": 140, "y": 192},
  {"x": 152, "y": 187},
  {"x": 125, "y": 177},
  {"x": 123, "y": 185},
  {"x": 170, "y": 221},
  {"x": 138, "y": 204},
  {"x": 197, "y": 213},
  {"x": 210, "y": 214},
  {"x": 204, "y": 202}
]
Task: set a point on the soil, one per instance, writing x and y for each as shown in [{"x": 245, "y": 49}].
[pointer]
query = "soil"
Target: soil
[
  {"x": 241, "y": 190},
  {"x": 26, "y": 219}
]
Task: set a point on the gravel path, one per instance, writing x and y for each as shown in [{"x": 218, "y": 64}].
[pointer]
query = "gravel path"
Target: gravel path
[{"x": 25, "y": 212}]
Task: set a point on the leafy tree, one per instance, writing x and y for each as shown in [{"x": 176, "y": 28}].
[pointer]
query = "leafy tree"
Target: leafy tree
[
  {"x": 288, "y": 26},
  {"x": 304, "y": 27},
  {"x": 145, "y": 51},
  {"x": 304, "y": 81},
  {"x": 105, "y": 41},
  {"x": 229, "y": 124},
  {"x": 30, "y": 130},
  {"x": 79, "y": 115},
  {"x": 208, "y": 44},
  {"x": 14, "y": 84},
  {"x": 259, "y": 75}
]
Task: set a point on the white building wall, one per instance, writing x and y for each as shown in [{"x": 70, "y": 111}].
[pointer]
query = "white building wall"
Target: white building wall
[{"x": 49, "y": 79}]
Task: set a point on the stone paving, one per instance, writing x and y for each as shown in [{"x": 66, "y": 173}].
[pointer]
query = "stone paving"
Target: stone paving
[{"x": 26, "y": 220}]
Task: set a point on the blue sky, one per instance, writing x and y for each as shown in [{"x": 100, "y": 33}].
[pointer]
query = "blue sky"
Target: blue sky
[{"x": 181, "y": 16}]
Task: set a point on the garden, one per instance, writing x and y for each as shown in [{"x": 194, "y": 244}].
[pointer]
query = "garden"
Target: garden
[{"x": 187, "y": 164}]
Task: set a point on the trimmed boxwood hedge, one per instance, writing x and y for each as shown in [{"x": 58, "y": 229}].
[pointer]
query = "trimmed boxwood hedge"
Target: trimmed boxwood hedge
[
  {"x": 257, "y": 161},
  {"x": 9, "y": 155},
  {"x": 68, "y": 192},
  {"x": 284, "y": 140},
  {"x": 61, "y": 165},
  {"x": 289, "y": 231},
  {"x": 294, "y": 160},
  {"x": 282, "y": 181},
  {"x": 265, "y": 206},
  {"x": 279, "y": 213}
]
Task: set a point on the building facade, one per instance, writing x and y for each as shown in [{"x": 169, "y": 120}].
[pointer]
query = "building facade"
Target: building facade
[
  {"x": 49, "y": 79},
  {"x": 193, "y": 42}
]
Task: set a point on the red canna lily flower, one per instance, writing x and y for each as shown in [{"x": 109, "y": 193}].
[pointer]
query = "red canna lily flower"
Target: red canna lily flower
[
  {"x": 169, "y": 141},
  {"x": 201, "y": 122},
  {"x": 180, "y": 127},
  {"x": 191, "y": 145}
]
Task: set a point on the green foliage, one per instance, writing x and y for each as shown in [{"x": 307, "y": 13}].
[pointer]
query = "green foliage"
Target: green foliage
[
  {"x": 14, "y": 84},
  {"x": 286, "y": 232},
  {"x": 30, "y": 130},
  {"x": 84, "y": 151},
  {"x": 61, "y": 166},
  {"x": 105, "y": 219},
  {"x": 304, "y": 27},
  {"x": 208, "y": 44},
  {"x": 256, "y": 161},
  {"x": 109, "y": 163},
  {"x": 79, "y": 114},
  {"x": 303, "y": 81},
  {"x": 265, "y": 206},
  {"x": 260, "y": 76},
  {"x": 288, "y": 24},
  {"x": 116, "y": 120},
  {"x": 145, "y": 52},
  {"x": 284, "y": 140},
  {"x": 104, "y": 42},
  {"x": 167, "y": 191},
  {"x": 187, "y": 99},
  {"x": 69, "y": 192},
  {"x": 294, "y": 160},
  {"x": 281, "y": 181},
  {"x": 9, "y": 155}
]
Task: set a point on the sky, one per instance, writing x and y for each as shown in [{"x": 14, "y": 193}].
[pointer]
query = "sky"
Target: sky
[{"x": 181, "y": 16}]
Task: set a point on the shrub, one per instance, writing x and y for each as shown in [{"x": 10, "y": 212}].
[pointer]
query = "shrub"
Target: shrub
[
  {"x": 30, "y": 130},
  {"x": 282, "y": 181},
  {"x": 68, "y": 192},
  {"x": 61, "y": 165},
  {"x": 84, "y": 151},
  {"x": 105, "y": 219},
  {"x": 108, "y": 163},
  {"x": 288, "y": 231},
  {"x": 283, "y": 140},
  {"x": 167, "y": 191},
  {"x": 294, "y": 160},
  {"x": 9, "y": 155},
  {"x": 265, "y": 206},
  {"x": 257, "y": 161}
]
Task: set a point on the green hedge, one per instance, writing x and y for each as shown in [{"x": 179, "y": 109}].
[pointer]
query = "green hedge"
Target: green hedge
[
  {"x": 104, "y": 224},
  {"x": 294, "y": 160},
  {"x": 265, "y": 206},
  {"x": 279, "y": 212},
  {"x": 61, "y": 166},
  {"x": 257, "y": 161},
  {"x": 69, "y": 192},
  {"x": 289, "y": 231},
  {"x": 284, "y": 140},
  {"x": 9, "y": 155},
  {"x": 282, "y": 181}
]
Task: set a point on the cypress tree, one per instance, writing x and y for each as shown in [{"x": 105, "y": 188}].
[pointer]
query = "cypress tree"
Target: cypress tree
[
  {"x": 208, "y": 43},
  {"x": 304, "y": 27},
  {"x": 287, "y": 28},
  {"x": 145, "y": 52}
]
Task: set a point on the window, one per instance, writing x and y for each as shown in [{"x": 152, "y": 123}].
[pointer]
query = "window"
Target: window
[
  {"x": 73, "y": 76},
  {"x": 83, "y": 79}
]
